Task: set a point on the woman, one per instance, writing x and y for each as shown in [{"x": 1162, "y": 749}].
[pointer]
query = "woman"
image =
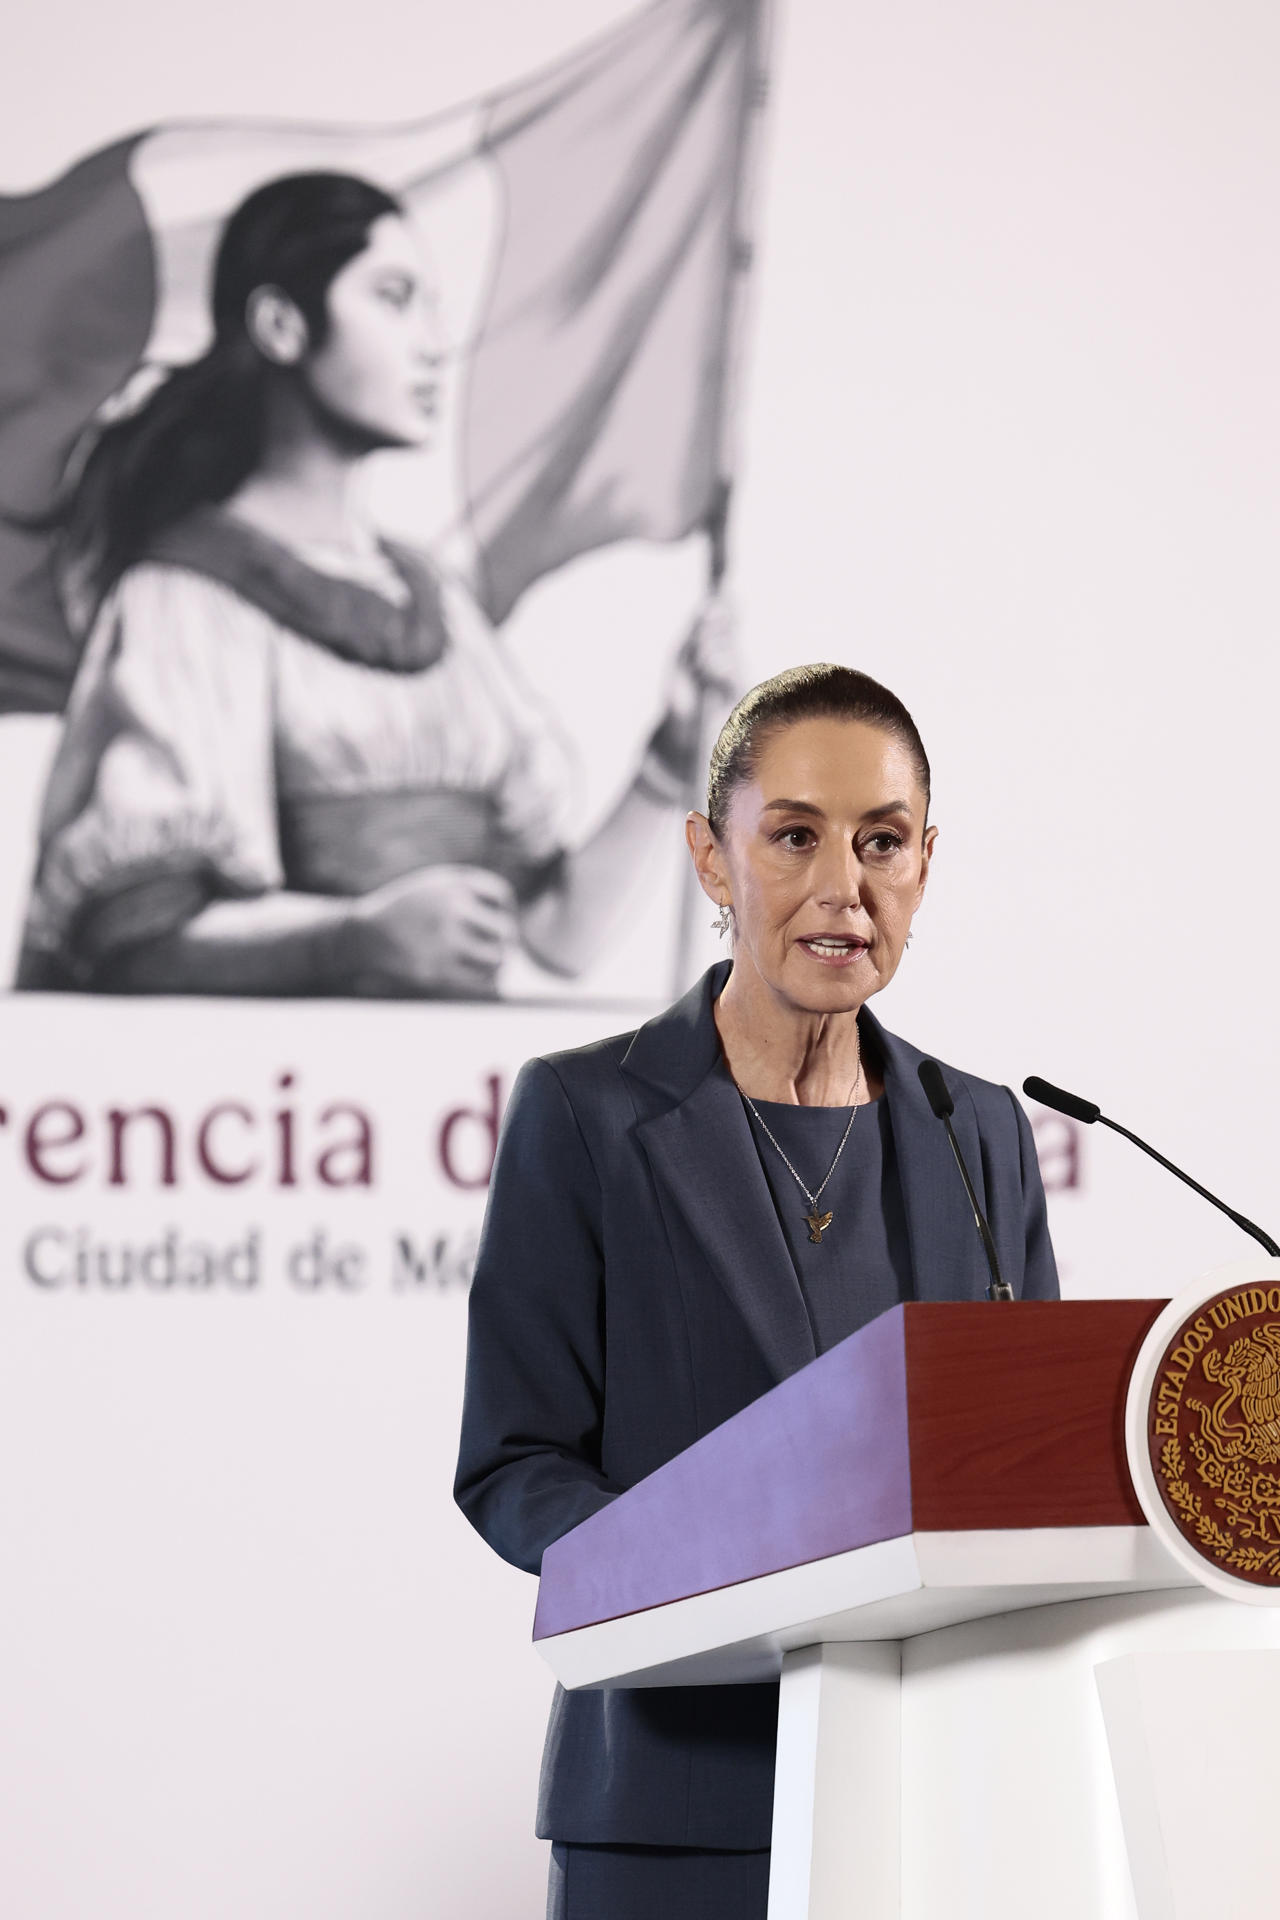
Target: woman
[
  {"x": 682, "y": 1216},
  {"x": 295, "y": 760}
]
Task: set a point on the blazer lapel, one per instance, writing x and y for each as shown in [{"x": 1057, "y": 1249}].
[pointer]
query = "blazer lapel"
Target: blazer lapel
[
  {"x": 699, "y": 1146},
  {"x": 705, "y": 1161},
  {"x": 947, "y": 1260}
]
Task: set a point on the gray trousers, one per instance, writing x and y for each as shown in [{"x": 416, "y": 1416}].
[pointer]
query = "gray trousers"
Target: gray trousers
[{"x": 656, "y": 1883}]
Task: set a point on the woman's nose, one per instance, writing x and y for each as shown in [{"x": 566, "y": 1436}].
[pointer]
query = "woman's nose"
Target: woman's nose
[
  {"x": 428, "y": 344},
  {"x": 840, "y": 879}
]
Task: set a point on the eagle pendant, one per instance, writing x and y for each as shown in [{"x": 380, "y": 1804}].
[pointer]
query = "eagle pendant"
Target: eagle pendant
[{"x": 818, "y": 1224}]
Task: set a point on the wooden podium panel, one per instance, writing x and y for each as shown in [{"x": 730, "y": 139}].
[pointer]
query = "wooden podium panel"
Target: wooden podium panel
[{"x": 1018, "y": 1420}]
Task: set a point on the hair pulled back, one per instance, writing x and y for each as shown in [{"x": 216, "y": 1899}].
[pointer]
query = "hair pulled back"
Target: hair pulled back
[
  {"x": 818, "y": 692},
  {"x": 200, "y": 435}
]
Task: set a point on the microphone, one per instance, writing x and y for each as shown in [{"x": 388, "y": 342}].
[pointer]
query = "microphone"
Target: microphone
[
  {"x": 943, "y": 1105},
  {"x": 1084, "y": 1110}
]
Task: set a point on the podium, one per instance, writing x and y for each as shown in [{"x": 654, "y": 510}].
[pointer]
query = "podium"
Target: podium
[{"x": 998, "y": 1687}]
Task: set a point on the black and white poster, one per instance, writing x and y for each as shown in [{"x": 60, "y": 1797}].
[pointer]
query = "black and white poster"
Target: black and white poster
[{"x": 329, "y": 405}]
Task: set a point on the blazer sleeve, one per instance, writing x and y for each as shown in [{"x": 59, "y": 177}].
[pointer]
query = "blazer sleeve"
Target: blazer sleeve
[
  {"x": 533, "y": 1409},
  {"x": 1040, "y": 1269}
]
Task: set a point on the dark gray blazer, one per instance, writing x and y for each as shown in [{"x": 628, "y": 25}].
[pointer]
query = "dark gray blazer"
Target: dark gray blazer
[{"x": 633, "y": 1289}]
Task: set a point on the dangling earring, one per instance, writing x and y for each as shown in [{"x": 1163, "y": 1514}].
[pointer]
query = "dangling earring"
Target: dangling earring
[
  {"x": 723, "y": 921},
  {"x": 908, "y": 939}
]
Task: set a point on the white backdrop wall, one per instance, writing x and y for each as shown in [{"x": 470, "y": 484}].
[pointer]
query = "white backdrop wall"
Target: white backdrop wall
[{"x": 1011, "y": 441}]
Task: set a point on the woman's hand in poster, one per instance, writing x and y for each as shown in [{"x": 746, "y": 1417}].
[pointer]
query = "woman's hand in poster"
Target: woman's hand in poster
[
  {"x": 705, "y": 674},
  {"x": 708, "y": 668},
  {"x": 439, "y": 930}
]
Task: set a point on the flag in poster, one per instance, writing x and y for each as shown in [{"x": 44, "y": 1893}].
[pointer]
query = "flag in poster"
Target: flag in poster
[{"x": 587, "y": 231}]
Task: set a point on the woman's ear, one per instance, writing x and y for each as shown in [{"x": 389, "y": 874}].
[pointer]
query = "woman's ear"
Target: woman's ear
[
  {"x": 708, "y": 860},
  {"x": 276, "y": 326},
  {"x": 926, "y": 858}
]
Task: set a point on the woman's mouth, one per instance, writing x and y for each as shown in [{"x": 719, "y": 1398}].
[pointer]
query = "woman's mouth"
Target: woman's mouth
[{"x": 835, "y": 949}]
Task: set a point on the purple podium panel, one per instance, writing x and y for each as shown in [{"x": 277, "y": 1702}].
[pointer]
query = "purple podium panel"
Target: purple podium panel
[{"x": 816, "y": 1467}]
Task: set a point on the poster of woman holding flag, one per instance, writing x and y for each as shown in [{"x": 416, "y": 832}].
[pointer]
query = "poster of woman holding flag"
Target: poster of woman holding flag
[
  {"x": 299, "y": 756},
  {"x": 295, "y": 759}
]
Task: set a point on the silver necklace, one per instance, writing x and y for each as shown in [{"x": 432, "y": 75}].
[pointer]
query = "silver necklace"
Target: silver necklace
[{"x": 817, "y": 1222}]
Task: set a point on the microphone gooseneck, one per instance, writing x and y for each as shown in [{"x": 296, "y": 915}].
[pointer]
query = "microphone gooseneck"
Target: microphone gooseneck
[
  {"x": 1084, "y": 1110},
  {"x": 938, "y": 1095}
]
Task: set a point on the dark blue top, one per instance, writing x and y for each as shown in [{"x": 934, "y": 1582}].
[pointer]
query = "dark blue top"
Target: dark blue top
[
  {"x": 863, "y": 1263},
  {"x": 633, "y": 1290}
]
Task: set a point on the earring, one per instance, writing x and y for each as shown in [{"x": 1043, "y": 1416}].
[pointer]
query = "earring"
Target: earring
[
  {"x": 723, "y": 921},
  {"x": 908, "y": 940}
]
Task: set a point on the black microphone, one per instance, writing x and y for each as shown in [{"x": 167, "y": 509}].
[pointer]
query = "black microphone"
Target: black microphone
[
  {"x": 943, "y": 1106},
  {"x": 1084, "y": 1110}
]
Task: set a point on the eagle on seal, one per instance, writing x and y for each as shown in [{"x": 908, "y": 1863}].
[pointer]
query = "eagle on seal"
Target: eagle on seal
[{"x": 1249, "y": 1370}]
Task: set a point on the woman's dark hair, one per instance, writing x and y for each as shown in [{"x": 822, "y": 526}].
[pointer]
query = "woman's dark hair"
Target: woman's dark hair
[
  {"x": 200, "y": 435},
  {"x": 820, "y": 692}
]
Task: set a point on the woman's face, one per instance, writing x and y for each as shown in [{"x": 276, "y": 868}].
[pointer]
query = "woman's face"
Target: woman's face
[
  {"x": 377, "y": 370},
  {"x": 825, "y": 856}
]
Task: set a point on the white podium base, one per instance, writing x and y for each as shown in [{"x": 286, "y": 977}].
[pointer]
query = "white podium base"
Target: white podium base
[
  {"x": 1193, "y": 1751},
  {"x": 839, "y": 1782},
  {"x": 965, "y": 1774}
]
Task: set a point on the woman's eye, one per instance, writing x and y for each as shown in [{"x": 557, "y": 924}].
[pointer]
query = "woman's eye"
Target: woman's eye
[
  {"x": 794, "y": 837},
  {"x": 884, "y": 843},
  {"x": 396, "y": 293}
]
